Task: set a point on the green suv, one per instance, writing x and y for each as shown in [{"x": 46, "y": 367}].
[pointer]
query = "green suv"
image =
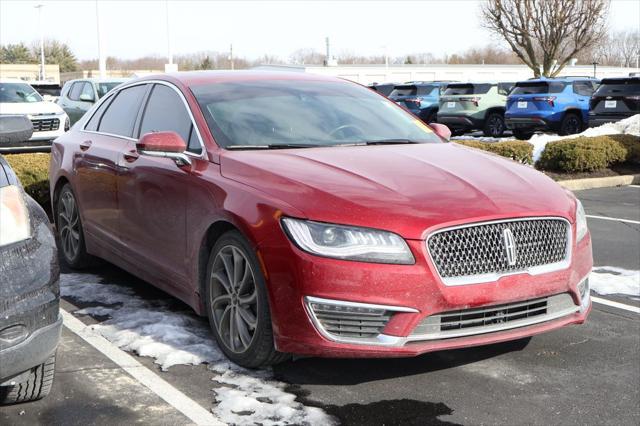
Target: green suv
[
  {"x": 78, "y": 96},
  {"x": 474, "y": 106}
]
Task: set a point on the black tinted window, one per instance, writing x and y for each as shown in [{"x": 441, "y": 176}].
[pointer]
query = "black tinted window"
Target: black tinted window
[
  {"x": 121, "y": 114},
  {"x": 404, "y": 91},
  {"x": 93, "y": 123},
  {"x": 538, "y": 88},
  {"x": 166, "y": 111},
  {"x": 74, "y": 92},
  {"x": 619, "y": 87},
  {"x": 425, "y": 90},
  {"x": 584, "y": 88}
]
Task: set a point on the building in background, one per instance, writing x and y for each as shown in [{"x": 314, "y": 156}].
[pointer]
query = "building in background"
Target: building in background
[
  {"x": 30, "y": 72},
  {"x": 368, "y": 74}
]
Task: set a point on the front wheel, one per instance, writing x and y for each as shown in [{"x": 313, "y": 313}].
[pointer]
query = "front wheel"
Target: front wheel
[
  {"x": 570, "y": 125},
  {"x": 36, "y": 386},
  {"x": 237, "y": 305},
  {"x": 494, "y": 125}
]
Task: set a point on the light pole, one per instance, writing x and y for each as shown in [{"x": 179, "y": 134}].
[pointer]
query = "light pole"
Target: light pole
[
  {"x": 102, "y": 60},
  {"x": 595, "y": 64},
  {"x": 42, "y": 72},
  {"x": 169, "y": 53}
]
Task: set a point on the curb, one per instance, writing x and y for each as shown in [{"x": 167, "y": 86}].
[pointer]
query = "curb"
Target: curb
[{"x": 603, "y": 182}]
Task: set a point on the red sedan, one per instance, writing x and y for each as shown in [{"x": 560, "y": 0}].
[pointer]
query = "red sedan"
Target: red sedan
[{"x": 310, "y": 215}]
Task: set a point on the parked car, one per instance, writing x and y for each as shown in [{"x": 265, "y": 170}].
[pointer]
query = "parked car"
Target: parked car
[
  {"x": 49, "y": 91},
  {"x": 78, "y": 96},
  {"x": 30, "y": 321},
  {"x": 305, "y": 214},
  {"x": 420, "y": 98},
  {"x": 48, "y": 119},
  {"x": 475, "y": 106},
  {"x": 614, "y": 100},
  {"x": 383, "y": 88},
  {"x": 559, "y": 105}
]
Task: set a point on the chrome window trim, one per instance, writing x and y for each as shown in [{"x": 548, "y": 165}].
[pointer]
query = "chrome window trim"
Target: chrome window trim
[
  {"x": 492, "y": 277},
  {"x": 117, "y": 90}
]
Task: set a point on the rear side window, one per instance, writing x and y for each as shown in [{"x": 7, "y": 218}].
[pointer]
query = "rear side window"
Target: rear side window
[
  {"x": 121, "y": 114},
  {"x": 619, "y": 87},
  {"x": 584, "y": 88},
  {"x": 93, "y": 123},
  {"x": 538, "y": 88},
  {"x": 404, "y": 91},
  {"x": 165, "y": 110},
  {"x": 74, "y": 92}
]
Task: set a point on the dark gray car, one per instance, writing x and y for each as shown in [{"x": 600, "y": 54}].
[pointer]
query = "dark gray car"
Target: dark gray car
[{"x": 30, "y": 321}]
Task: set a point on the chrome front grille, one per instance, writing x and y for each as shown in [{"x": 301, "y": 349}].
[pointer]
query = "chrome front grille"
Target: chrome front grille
[
  {"x": 493, "y": 318},
  {"x": 481, "y": 252},
  {"x": 45, "y": 125},
  {"x": 341, "y": 321}
]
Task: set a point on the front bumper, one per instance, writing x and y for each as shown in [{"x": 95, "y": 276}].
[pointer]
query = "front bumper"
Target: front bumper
[
  {"x": 29, "y": 298},
  {"x": 294, "y": 276}
]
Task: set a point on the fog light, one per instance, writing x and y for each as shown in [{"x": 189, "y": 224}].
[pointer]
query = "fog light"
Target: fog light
[{"x": 583, "y": 290}]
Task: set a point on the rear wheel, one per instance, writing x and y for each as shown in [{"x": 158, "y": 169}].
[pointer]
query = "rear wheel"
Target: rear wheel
[
  {"x": 237, "y": 305},
  {"x": 522, "y": 135},
  {"x": 494, "y": 125},
  {"x": 570, "y": 125},
  {"x": 36, "y": 386},
  {"x": 70, "y": 233}
]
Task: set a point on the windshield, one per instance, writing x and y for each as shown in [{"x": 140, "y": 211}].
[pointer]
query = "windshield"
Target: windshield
[
  {"x": 619, "y": 87},
  {"x": 307, "y": 113},
  {"x": 538, "y": 88},
  {"x": 18, "y": 93},
  {"x": 104, "y": 88}
]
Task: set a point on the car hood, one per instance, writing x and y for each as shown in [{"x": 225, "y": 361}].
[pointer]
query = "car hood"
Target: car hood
[
  {"x": 407, "y": 189},
  {"x": 30, "y": 108}
]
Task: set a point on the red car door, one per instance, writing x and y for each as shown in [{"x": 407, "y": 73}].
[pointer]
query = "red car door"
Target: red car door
[
  {"x": 153, "y": 192},
  {"x": 104, "y": 138}
]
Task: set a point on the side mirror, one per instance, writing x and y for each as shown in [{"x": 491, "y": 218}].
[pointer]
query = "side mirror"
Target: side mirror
[
  {"x": 441, "y": 130},
  {"x": 87, "y": 98},
  {"x": 164, "y": 144}
]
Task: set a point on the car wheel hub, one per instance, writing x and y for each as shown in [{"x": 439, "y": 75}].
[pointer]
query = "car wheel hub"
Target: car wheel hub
[
  {"x": 234, "y": 299},
  {"x": 69, "y": 226}
]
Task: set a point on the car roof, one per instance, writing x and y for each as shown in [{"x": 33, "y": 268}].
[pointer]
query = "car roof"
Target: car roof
[
  {"x": 565, "y": 79},
  {"x": 619, "y": 79},
  {"x": 194, "y": 78},
  {"x": 100, "y": 80},
  {"x": 12, "y": 80}
]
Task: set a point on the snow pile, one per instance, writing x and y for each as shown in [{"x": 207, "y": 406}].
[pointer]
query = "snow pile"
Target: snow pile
[
  {"x": 629, "y": 126},
  {"x": 611, "y": 280},
  {"x": 153, "y": 328},
  {"x": 478, "y": 138}
]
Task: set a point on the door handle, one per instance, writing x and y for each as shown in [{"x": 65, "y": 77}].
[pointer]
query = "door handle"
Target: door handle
[
  {"x": 85, "y": 145},
  {"x": 131, "y": 156}
]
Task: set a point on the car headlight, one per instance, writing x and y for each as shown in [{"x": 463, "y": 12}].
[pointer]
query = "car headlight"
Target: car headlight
[
  {"x": 581, "y": 221},
  {"x": 348, "y": 242},
  {"x": 14, "y": 216}
]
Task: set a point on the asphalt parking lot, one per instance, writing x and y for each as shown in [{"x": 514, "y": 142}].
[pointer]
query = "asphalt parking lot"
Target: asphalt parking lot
[{"x": 587, "y": 374}]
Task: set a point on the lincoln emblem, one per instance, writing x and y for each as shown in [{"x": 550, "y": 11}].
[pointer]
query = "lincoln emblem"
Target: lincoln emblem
[{"x": 509, "y": 246}]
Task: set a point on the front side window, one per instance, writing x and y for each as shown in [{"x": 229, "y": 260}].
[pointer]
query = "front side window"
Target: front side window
[
  {"x": 15, "y": 93},
  {"x": 105, "y": 87},
  {"x": 165, "y": 111},
  {"x": 122, "y": 112},
  {"x": 304, "y": 113}
]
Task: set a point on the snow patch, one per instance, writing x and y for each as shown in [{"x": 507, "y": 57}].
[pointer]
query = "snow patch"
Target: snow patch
[
  {"x": 628, "y": 126},
  {"x": 611, "y": 280},
  {"x": 153, "y": 328}
]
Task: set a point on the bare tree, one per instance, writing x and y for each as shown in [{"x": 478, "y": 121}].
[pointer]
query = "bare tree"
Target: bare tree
[
  {"x": 626, "y": 45},
  {"x": 547, "y": 34}
]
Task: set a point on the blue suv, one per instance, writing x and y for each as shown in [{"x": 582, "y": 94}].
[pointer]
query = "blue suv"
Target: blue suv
[
  {"x": 559, "y": 104},
  {"x": 421, "y": 98}
]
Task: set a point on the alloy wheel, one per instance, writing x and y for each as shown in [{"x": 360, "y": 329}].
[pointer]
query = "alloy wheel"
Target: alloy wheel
[
  {"x": 572, "y": 126},
  {"x": 496, "y": 126},
  {"x": 234, "y": 299},
  {"x": 69, "y": 225}
]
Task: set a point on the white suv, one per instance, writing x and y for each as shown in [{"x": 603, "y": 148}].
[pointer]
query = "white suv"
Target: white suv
[{"x": 48, "y": 119}]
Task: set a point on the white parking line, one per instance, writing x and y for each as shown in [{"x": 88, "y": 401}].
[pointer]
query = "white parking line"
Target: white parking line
[
  {"x": 634, "y": 186},
  {"x": 618, "y": 305},
  {"x": 195, "y": 412},
  {"x": 615, "y": 219}
]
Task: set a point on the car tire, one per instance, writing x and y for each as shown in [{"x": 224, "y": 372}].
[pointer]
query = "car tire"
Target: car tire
[
  {"x": 36, "y": 386},
  {"x": 494, "y": 125},
  {"x": 237, "y": 304},
  {"x": 522, "y": 135},
  {"x": 70, "y": 235},
  {"x": 570, "y": 125}
]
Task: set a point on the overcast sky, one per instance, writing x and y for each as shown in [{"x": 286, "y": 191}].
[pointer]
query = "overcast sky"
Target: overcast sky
[{"x": 138, "y": 28}]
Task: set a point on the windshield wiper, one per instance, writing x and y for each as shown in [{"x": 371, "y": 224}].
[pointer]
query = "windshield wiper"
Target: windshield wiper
[
  {"x": 391, "y": 142},
  {"x": 273, "y": 146}
]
